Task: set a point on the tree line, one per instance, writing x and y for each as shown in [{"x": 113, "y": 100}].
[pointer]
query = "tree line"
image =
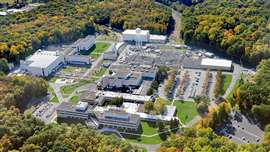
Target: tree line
[
  {"x": 19, "y": 91},
  {"x": 24, "y": 133},
  {"x": 205, "y": 140},
  {"x": 253, "y": 94},
  {"x": 239, "y": 29}
]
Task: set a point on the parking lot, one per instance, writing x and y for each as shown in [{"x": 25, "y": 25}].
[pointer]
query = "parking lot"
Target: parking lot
[
  {"x": 241, "y": 130},
  {"x": 193, "y": 84}
]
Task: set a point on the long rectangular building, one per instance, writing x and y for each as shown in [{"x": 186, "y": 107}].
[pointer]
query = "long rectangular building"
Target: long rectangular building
[
  {"x": 118, "y": 119},
  {"x": 216, "y": 64},
  {"x": 136, "y": 35},
  {"x": 67, "y": 110}
]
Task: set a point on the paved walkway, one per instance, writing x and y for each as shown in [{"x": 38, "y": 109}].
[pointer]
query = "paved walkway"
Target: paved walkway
[{"x": 149, "y": 147}]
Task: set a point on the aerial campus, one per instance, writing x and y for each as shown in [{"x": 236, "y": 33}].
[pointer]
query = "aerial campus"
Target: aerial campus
[
  {"x": 129, "y": 84},
  {"x": 134, "y": 76}
]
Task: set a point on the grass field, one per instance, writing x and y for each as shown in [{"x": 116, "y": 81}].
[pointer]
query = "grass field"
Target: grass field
[
  {"x": 70, "y": 88},
  {"x": 97, "y": 50},
  {"x": 98, "y": 73},
  {"x": 186, "y": 110},
  {"x": 74, "y": 100},
  {"x": 72, "y": 69},
  {"x": 7, "y": 1},
  {"x": 147, "y": 129},
  {"x": 54, "y": 100},
  {"x": 236, "y": 85},
  {"x": 226, "y": 81}
]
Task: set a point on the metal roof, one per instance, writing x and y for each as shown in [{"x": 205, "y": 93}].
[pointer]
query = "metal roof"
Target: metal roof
[
  {"x": 42, "y": 59},
  {"x": 216, "y": 62},
  {"x": 136, "y": 32}
]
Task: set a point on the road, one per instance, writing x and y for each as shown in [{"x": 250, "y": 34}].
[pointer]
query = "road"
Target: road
[
  {"x": 56, "y": 89},
  {"x": 235, "y": 76},
  {"x": 177, "y": 18}
]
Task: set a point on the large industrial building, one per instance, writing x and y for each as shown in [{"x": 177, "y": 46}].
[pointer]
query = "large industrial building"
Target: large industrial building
[
  {"x": 111, "y": 53},
  {"x": 142, "y": 36},
  {"x": 42, "y": 63},
  {"x": 136, "y": 35},
  {"x": 84, "y": 44},
  {"x": 111, "y": 118}
]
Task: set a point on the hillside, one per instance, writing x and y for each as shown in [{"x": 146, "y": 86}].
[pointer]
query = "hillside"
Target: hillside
[
  {"x": 31, "y": 135},
  {"x": 240, "y": 29},
  {"x": 62, "y": 21}
]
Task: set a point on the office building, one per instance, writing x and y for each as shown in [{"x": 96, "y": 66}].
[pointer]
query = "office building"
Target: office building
[
  {"x": 118, "y": 119},
  {"x": 84, "y": 44},
  {"x": 111, "y": 53},
  {"x": 79, "y": 111}
]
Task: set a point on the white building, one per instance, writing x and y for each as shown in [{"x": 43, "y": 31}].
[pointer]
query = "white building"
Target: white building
[
  {"x": 42, "y": 63},
  {"x": 109, "y": 95},
  {"x": 111, "y": 53},
  {"x": 216, "y": 64},
  {"x": 136, "y": 35},
  {"x": 118, "y": 119},
  {"x": 77, "y": 60},
  {"x": 84, "y": 44},
  {"x": 157, "y": 38},
  {"x": 67, "y": 110}
]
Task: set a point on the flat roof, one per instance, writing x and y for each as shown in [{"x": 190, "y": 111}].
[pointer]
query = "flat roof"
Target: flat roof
[
  {"x": 125, "y": 96},
  {"x": 42, "y": 59},
  {"x": 136, "y": 31},
  {"x": 158, "y": 37},
  {"x": 216, "y": 62},
  {"x": 68, "y": 106}
]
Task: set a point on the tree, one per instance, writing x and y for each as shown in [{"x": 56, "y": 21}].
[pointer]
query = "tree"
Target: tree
[
  {"x": 174, "y": 123},
  {"x": 161, "y": 126},
  {"x": 4, "y": 65},
  {"x": 117, "y": 101},
  {"x": 148, "y": 106},
  {"x": 218, "y": 84},
  {"x": 159, "y": 105},
  {"x": 202, "y": 107}
]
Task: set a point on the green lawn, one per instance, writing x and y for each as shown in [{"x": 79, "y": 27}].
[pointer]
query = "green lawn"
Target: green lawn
[
  {"x": 70, "y": 88},
  {"x": 97, "y": 50},
  {"x": 72, "y": 69},
  {"x": 107, "y": 37},
  {"x": 236, "y": 85},
  {"x": 54, "y": 100},
  {"x": 186, "y": 110},
  {"x": 99, "y": 73},
  {"x": 143, "y": 140},
  {"x": 147, "y": 128},
  {"x": 226, "y": 81},
  {"x": 74, "y": 100},
  {"x": 53, "y": 79}
]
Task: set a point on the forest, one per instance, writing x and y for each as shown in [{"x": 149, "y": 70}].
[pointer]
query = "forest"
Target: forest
[
  {"x": 239, "y": 29},
  {"x": 253, "y": 94},
  {"x": 205, "y": 140},
  {"x": 19, "y": 91},
  {"x": 61, "y": 21},
  {"x": 31, "y": 135}
]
